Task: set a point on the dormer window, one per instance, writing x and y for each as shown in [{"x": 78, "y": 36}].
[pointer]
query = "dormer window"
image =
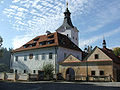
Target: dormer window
[
  {"x": 52, "y": 36},
  {"x": 30, "y": 45},
  {"x": 25, "y": 46},
  {"x": 51, "y": 42},
  {"x": 43, "y": 43}
]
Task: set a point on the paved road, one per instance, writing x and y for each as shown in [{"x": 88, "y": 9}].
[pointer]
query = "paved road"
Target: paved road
[{"x": 54, "y": 86}]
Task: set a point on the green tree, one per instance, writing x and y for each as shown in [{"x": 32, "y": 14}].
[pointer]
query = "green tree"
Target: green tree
[
  {"x": 116, "y": 51},
  {"x": 48, "y": 70},
  {"x": 3, "y": 68}
]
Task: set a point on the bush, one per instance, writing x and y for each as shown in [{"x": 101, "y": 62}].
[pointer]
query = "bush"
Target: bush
[{"x": 48, "y": 70}]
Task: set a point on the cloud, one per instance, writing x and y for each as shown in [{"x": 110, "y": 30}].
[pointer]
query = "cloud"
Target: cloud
[
  {"x": 102, "y": 15},
  {"x": 21, "y": 40},
  {"x": 36, "y": 16},
  {"x": 95, "y": 38}
]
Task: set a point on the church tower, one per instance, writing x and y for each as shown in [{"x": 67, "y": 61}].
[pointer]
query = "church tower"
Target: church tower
[{"x": 67, "y": 27}]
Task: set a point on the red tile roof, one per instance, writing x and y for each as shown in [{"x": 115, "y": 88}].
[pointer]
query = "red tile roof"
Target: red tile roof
[
  {"x": 110, "y": 53},
  {"x": 53, "y": 39}
]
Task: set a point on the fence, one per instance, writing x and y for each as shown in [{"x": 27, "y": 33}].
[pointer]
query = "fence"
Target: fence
[
  {"x": 14, "y": 76},
  {"x": 93, "y": 78}
]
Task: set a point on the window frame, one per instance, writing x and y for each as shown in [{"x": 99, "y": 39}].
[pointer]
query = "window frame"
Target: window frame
[
  {"x": 43, "y": 55},
  {"x": 65, "y": 55},
  {"x": 50, "y": 55},
  {"x": 25, "y": 71},
  {"x": 34, "y": 71},
  {"x": 16, "y": 58},
  {"x": 31, "y": 56},
  {"x": 102, "y": 72},
  {"x": 96, "y": 56},
  {"x": 93, "y": 71},
  {"x": 36, "y": 57},
  {"x": 25, "y": 57}
]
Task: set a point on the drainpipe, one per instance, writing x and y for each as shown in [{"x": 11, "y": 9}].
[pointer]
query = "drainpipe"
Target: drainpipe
[
  {"x": 56, "y": 59},
  {"x": 87, "y": 78}
]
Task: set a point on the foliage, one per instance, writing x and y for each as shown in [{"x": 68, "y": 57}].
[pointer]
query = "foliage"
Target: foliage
[
  {"x": 3, "y": 68},
  {"x": 5, "y": 56},
  {"x": 116, "y": 51},
  {"x": 48, "y": 70},
  {"x": 1, "y": 40}
]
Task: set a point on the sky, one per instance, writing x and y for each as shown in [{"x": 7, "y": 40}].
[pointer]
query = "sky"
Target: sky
[{"x": 22, "y": 20}]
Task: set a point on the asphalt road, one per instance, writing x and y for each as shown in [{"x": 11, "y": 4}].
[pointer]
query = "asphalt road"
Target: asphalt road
[{"x": 53, "y": 86}]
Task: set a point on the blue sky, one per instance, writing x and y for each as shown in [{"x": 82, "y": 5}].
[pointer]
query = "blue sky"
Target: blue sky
[{"x": 22, "y": 20}]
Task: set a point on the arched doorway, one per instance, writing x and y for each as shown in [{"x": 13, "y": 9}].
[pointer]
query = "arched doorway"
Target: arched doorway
[{"x": 70, "y": 74}]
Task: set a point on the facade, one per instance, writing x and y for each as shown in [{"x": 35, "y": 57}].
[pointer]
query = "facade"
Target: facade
[
  {"x": 68, "y": 29},
  {"x": 50, "y": 48},
  {"x": 100, "y": 64}
]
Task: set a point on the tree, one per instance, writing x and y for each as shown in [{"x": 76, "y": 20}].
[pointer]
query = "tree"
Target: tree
[
  {"x": 1, "y": 40},
  {"x": 3, "y": 68},
  {"x": 48, "y": 70},
  {"x": 116, "y": 51}
]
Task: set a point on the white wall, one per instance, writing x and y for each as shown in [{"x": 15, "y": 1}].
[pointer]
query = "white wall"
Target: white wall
[
  {"x": 32, "y": 64},
  {"x": 73, "y": 32},
  {"x": 61, "y": 52}
]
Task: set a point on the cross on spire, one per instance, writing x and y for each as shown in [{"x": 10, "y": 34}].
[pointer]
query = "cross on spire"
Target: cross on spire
[{"x": 67, "y": 4}]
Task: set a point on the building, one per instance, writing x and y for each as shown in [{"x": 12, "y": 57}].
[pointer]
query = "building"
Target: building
[
  {"x": 100, "y": 64},
  {"x": 50, "y": 48}
]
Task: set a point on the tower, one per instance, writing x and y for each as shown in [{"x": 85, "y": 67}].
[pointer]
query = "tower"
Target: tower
[
  {"x": 104, "y": 43},
  {"x": 67, "y": 27}
]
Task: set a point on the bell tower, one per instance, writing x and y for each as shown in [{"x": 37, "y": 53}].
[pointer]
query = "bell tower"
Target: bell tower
[{"x": 67, "y": 27}]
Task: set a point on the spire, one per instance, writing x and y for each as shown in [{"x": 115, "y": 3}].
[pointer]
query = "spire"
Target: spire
[
  {"x": 104, "y": 43},
  {"x": 67, "y": 20}
]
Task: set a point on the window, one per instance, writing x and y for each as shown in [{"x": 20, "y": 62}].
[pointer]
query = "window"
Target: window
[
  {"x": 15, "y": 71},
  {"x": 34, "y": 71},
  {"x": 51, "y": 41},
  {"x": 16, "y": 58},
  {"x": 50, "y": 56},
  {"x": 24, "y": 71},
  {"x": 36, "y": 57},
  {"x": 30, "y": 45},
  {"x": 30, "y": 56},
  {"x": 77, "y": 57},
  {"x": 43, "y": 43},
  {"x": 67, "y": 35},
  {"x": 43, "y": 56},
  {"x": 52, "y": 36},
  {"x": 65, "y": 55},
  {"x": 101, "y": 72},
  {"x": 25, "y": 58},
  {"x": 92, "y": 73},
  {"x": 96, "y": 56},
  {"x": 73, "y": 37},
  {"x": 36, "y": 39},
  {"x": 76, "y": 38}
]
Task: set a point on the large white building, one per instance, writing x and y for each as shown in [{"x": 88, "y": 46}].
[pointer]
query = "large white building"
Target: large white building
[{"x": 50, "y": 48}]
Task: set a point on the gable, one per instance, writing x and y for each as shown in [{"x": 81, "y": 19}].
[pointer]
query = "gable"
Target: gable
[
  {"x": 98, "y": 53},
  {"x": 70, "y": 59}
]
